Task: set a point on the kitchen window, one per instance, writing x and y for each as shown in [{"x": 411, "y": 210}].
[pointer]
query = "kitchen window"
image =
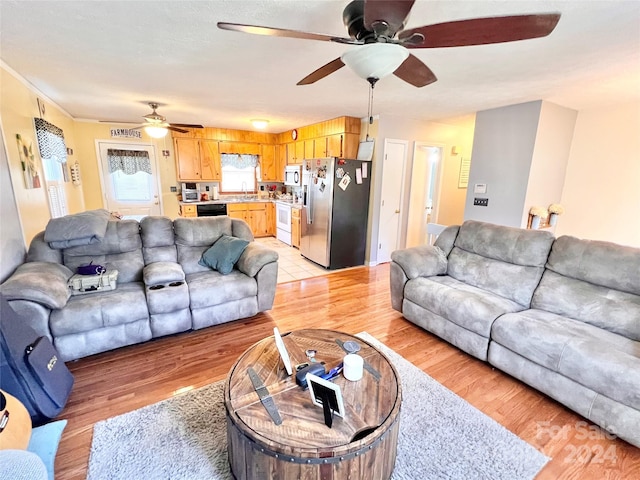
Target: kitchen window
[{"x": 239, "y": 173}]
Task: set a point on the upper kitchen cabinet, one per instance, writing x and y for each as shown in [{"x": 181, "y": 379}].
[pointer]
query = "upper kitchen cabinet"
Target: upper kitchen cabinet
[
  {"x": 270, "y": 169},
  {"x": 197, "y": 159},
  {"x": 344, "y": 145},
  {"x": 240, "y": 148}
]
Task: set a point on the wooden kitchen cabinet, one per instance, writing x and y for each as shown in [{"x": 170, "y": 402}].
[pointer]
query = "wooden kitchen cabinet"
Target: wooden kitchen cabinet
[
  {"x": 320, "y": 147},
  {"x": 343, "y": 145},
  {"x": 239, "y": 148},
  {"x": 271, "y": 219},
  {"x": 309, "y": 149},
  {"x": 197, "y": 159},
  {"x": 295, "y": 227},
  {"x": 188, "y": 211},
  {"x": 268, "y": 163},
  {"x": 295, "y": 152},
  {"x": 254, "y": 213}
]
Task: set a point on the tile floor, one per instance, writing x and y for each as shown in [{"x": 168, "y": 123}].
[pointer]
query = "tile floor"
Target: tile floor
[{"x": 292, "y": 265}]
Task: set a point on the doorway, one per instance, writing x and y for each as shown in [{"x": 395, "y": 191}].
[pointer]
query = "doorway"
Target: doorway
[
  {"x": 128, "y": 174},
  {"x": 393, "y": 173},
  {"x": 425, "y": 191}
]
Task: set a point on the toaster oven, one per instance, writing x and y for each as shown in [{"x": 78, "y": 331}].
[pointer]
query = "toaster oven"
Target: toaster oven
[{"x": 190, "y": 192}]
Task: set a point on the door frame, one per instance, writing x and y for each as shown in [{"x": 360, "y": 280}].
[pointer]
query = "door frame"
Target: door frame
[
  {"x": 124, "y": 143},
  {"x": 418, "y": 148}
]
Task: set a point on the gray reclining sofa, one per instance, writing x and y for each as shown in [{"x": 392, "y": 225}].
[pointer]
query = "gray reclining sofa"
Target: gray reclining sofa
[
  {"x": 562, "y": 315},
  {"x": 161, "y": 287}
]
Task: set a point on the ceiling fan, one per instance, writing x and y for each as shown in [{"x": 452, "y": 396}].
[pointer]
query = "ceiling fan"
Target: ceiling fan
[
  {"x": 377, "y": 27},
  {"x": 157, "y": 124}
]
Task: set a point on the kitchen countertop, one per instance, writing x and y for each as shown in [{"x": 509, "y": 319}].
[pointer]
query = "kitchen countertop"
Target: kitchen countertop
[{"x": 243, "y": 200}]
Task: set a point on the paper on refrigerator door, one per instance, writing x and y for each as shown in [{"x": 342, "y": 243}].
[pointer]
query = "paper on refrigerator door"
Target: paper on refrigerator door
[
  {"x": 358, "y": 176},
  {"x": 364, "y": 170},
  {"x": 344, "y": 183}
]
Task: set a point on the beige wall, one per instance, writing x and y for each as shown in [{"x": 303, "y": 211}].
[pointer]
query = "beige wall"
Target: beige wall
[
  {"x": 446, "y": 133},
  {"x": 18, "y": 108},
  {"x": 601, "y": 194},
  {"x": 550, "y": 158},
  {"x": 88, "y": 133}
]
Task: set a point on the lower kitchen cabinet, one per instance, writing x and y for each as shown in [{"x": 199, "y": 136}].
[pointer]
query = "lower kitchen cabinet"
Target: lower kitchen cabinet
[
  {"x": 254, "y": 213},
  {"x": 295, "y": 227},
  {"x": 188, "y": 211}
]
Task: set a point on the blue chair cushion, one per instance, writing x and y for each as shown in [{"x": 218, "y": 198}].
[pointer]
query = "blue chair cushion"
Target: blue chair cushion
[{"x": 44, "y": 443}]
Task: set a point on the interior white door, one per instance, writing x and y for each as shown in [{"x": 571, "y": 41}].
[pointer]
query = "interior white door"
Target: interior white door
[
  {"x": 131, "y": 195},
  {"x": 393, "y": 171},
  {"x": 423, "y": 198}
]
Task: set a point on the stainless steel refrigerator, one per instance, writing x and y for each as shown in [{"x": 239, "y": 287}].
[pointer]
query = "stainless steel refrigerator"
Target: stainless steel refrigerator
[{"x": 335, "y": 211}]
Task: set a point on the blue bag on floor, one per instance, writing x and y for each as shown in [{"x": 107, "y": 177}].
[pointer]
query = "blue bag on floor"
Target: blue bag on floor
[{"x": 30, "y": 367}]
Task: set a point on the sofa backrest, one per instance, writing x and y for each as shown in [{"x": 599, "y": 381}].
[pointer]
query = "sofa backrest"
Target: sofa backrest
[
  {"x": 158, "y": 242},
  {"x": 594, "y": 282},
  {"x": 193, "y": 236},
  {"x": 121, "y": 248},
  {"x": 506, "y": 261}
]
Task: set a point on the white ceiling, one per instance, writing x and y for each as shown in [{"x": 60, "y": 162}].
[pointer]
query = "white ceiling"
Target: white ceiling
[{"x": 103, "y": 60}]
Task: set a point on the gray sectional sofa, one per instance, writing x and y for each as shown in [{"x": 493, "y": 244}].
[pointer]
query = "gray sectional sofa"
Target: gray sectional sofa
[
  {"x": 161, "y": 287},
  {"x": 562, "y": 315}
]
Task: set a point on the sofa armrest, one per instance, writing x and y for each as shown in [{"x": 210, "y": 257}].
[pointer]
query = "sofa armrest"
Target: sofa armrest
[
  {"x": 161, "y": 273},
  {"x": 421, "y": 261},
  {"x": 254, "y": 257},
  {"x": 40, "y": 282}
]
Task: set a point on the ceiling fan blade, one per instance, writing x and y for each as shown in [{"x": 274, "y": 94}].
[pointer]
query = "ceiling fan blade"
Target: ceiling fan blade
[
  {"x": 415, "y": 72},
  {"x": 283, "y": 32},
  {"x": 482, "y": 31},
  {"x": 391, "y": 12},
  {"x": 322, "y": 72},
  {"x": 116, "y": 121},
  {"x": 176, "y": 129},
  {"x": 186, "y": 125}
]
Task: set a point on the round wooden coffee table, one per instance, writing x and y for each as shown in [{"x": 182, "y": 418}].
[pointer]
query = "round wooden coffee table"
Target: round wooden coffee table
[{"x": 360, "y": 445}]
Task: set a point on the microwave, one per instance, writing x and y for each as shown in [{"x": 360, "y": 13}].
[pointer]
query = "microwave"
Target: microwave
[
  {"x": 293, "y": 175},
  {"x": 190, "y": 192}
]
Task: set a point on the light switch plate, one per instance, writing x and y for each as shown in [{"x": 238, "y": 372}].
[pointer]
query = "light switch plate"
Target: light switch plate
[{"x": 480, "y": 188}]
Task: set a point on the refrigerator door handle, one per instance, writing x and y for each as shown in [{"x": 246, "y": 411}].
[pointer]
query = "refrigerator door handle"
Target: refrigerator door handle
[{"x": 310, "y": 205}]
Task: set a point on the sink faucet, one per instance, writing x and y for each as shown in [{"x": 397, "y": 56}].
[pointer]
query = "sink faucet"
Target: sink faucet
[{"x": 244, "y": 189}]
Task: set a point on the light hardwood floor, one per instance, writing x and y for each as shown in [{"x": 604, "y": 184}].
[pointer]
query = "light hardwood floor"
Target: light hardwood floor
[{"x": 352, "y": 300}]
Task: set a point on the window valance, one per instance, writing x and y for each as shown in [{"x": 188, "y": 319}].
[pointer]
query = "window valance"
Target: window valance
[
  {"x": 50, "y": 141},
  {"x": 238, "y": 161},
  {"x": 129, "y": 161}
]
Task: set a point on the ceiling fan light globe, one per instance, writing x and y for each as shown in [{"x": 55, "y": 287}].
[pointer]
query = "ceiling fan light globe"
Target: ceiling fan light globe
[
  {"x": 375, "y": 60},
  {"x": 156, "y": 132}
]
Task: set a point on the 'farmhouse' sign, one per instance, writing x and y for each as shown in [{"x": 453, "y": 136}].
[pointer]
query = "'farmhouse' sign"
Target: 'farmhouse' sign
[{"x": 125, "y": 133}]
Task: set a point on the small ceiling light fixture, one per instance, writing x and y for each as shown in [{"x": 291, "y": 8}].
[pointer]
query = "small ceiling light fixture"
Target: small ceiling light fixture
[
  {"x": 375, "y": 60},
  {"x": 155, "y": 131},
  {"x": 260, "y": 124}
]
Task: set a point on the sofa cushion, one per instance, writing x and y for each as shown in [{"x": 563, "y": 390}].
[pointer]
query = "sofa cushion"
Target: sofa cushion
[
  {"x": 600, "y": 360},
  {"x": 212, "y": 288},
  {"x": 158, "y": 243},
  {"x": 223, "y": 254},
  {"x": 83, "y": 313},
  {"x": 600, "y": 263},
  {"x": 503, "y": 260},
  {"x": 201, "y": 232},
  {"x": 40, "y": 282},
  {"x": 602, "y": 307},
  {"x": 465, "y": 305},
  {"x": 120, "y": 249}
]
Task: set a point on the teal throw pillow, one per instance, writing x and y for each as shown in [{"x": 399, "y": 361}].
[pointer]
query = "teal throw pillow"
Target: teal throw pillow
[{"x": 223, "y": 254}]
